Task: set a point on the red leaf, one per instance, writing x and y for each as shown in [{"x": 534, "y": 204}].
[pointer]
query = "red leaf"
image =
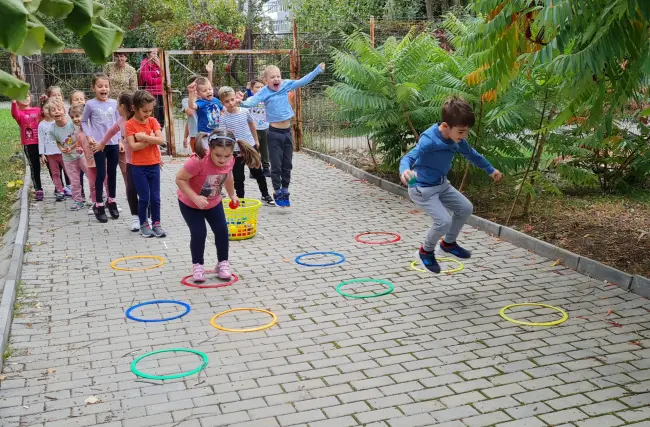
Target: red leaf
[
  {"x": 610, "y": 311},
  {"x": 618, "y": 325},
  {"x": 582, "y": 317},
  {"x": 611, "y": 284}
]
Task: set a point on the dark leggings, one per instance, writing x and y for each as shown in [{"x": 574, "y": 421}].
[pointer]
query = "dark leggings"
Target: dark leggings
[
  {"x": 34, "y": 160},
  {"x": 131, "y": 192},
  {"x": 195, "y": 219},
  {"x": 108, "y": 157},
  {"x": 159, "y": 111},
  {"x": 239, "y": 176}
]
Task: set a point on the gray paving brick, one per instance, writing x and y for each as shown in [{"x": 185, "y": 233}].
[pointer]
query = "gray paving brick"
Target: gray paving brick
[
  {"x": 536, "y": 396},
  {"x": 301, "y": 417},
  {"x": 338, "y": 422},
  {"x": 524, "y": 422},
  {"x": 354, "y": 408},
  {"x": 492, "y": 405},
  {"x": 568, "y": 401},
  {"x": 378, "y": 415},
  {"x": 568, "y": 415},
  {"x": 603, "y": 407},
  {"x": 604, "y": 421},
  {"x": 486, "y": 419}
]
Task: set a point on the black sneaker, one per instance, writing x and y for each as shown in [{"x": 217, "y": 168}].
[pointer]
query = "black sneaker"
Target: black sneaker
[
  {"x": 267, "y": 172},
  {"x": 268, "y": 200},
  {"x": 428, "y": 260},
  {"x": 112, "y": 209},
  {"x": 60, "y": 196},
  {"x": 454, "y": 249},
  {"x": 100, "y": 213}
]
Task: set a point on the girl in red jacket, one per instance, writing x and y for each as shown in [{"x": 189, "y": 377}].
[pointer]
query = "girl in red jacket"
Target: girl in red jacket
[{"x": 151, "y": 79}]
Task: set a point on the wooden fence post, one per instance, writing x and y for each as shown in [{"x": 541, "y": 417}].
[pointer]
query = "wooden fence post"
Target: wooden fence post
[
  {"x": 372, "y": 31},
  {"x": 167, "y": 105},
  {"x": 298, "y": 97}
]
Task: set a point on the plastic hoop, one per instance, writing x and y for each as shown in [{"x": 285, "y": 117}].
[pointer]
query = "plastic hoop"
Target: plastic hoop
[
  {"x": 159, "y": 258},
  {"x": 390, "y": 289},
  {"x": 396, "y": 239},
  {"x": 564, "y": 318},
  {"x": 259, "y": 328},
  {"x": 342, "y": 258},
  {"x": 159, "y": 301},
  {"x": 453, "y": 270},
  {"x": 184, "y": 281},
  {"x": 172, "y": 376}
]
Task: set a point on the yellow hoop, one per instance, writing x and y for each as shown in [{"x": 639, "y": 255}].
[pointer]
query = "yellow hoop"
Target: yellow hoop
[
  {"x": 564, "y": 318},
  {"x": 259, "y": 328},
  {"x": 455, "y": 270},
  {"x": 159, "y": 258}
]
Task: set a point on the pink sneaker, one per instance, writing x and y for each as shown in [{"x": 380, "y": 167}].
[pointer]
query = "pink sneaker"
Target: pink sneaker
[
  {"x": 223, "y": 269},
  {"x": 198, "y": 273}
]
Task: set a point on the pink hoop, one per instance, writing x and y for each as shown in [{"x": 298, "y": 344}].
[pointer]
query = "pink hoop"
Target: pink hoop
[
  {"x": 396, "y": 239},
  {"x": 184, "y": 281}
]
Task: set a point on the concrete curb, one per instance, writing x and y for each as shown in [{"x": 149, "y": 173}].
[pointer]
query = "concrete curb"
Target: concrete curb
[
  {"x": 637, "y": 284},
  {"x": 13, "y": 275}
]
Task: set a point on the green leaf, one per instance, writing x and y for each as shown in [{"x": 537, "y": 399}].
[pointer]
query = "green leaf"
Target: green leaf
[
  {"x": 101, "y": 41},
  {"x": 13, "y": 24},
  {"x": 52, "y": 43},
  {"x": 33, "y": 42},
  {"x": 80, "y": 20},
  {"x": 32, "y": 5},
  {"x": 646, "y": 112},
  {"x": 98, "y": 10},
  {"x": 12, "y": 87},
  {"x": 58, "y": 9}
]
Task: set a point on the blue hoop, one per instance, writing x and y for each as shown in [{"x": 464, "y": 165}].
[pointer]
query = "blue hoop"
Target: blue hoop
[
  {"x": 320, "y": 253},
  {"x": 158, "y": 301}
]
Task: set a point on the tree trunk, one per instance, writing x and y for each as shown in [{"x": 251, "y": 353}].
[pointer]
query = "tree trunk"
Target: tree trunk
[
  {"x": 429, "y": 5},
  {"x": 536, "y": 161}
]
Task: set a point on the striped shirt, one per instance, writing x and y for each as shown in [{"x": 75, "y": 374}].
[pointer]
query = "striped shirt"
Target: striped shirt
[{"x": 238, "y": 123}]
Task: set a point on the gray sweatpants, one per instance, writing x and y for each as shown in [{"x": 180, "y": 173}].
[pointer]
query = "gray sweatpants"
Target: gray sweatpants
[{"x": 436, "y": 201}]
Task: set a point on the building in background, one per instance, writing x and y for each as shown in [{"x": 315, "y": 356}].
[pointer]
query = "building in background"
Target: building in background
[{"x": 279, "y": 13}]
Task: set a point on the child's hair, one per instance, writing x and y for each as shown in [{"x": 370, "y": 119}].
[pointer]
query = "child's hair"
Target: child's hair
[
  {"x": 193, "y": 78},
  {"x": 50, "y": 89},
  {"x": 269, "y": 68},
  {"x": 141, "y": 98},
  {"x": 76, "y": 110},
  {"x": 202, "y": 81},
  {"x": 457, "y": 112},
  {"x": 255, "y": 81},
  {"x": 126, "y": 99},
  {"x": 225, "y": 91},
  {"x": 76, "y": 92},
  {"x": 225, "y": 138},
  {"x": 97, "y": 77},
  {"x": 45, "y": 107},
  {"x": 56, "y": 103}
]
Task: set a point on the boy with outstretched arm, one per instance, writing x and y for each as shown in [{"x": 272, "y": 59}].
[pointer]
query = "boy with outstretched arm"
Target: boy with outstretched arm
[{"x": 424, "y": 169}]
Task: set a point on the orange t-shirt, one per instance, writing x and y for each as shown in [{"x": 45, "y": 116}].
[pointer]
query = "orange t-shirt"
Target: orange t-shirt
[{"x": 151, "y": 154}]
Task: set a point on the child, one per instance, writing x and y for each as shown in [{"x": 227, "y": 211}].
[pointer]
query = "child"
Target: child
[
  {"x": 259, "y": 114},
  {"x": 199, "y": 195},
  {"x": 240, "y": 122},
  {"x": 65, "y": 134},
  {"x": 54, "y": 92},
  {"x": 144, "y": 136},
  {"x": 77, "y": 98},
  {"x": 99, "y": 115},
  {"x": 191, "y": 126},
  {"x": 49, "y": 151},
  {"x": 207, "y": 107},
  {"x": 429, "y": 162},
  {"x": 278, "y": 115},
  {"x": 27, "y": 118}
]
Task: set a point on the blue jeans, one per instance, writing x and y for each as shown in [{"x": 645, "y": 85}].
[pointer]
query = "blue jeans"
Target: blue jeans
[{"x": 147, "y": 184}]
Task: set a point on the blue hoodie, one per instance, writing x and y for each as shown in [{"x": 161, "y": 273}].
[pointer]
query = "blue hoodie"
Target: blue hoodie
[{"x": 431, "y": 157}]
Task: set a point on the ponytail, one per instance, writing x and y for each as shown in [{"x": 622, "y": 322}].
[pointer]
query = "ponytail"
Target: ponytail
[
  {"x": 225, "y": 138},
  {"x": 199, "y": 148},
  {"x": 250, "y": 154}
]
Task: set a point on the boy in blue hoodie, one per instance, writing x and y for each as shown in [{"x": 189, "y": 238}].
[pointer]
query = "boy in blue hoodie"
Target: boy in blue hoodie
[{"x": 424, "y": 169}]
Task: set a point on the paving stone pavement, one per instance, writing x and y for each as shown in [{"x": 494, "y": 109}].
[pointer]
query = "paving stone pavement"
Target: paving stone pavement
[{"x": 433, "y": 352}]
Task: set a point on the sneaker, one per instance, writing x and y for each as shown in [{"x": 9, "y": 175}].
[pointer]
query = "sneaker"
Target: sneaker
[
  {"x": 279, "y": 200},
  {"x": 455, "y": 250},
  {"x": 112, "y": 209},
  {"x": 91, "y": 211},
  {"x": 223, "y": 270},
  {"x": 100, "y": 213},
  {"x": 428, "y": 260},
  {"x": 76, "y": 206},
  {"x": 68, "y": 191},
  {"x": 267, "y": 172},
  {"x": 39, "y": 195},
  {"x": 60, "y": 196},
  {"x": 158, "y": 230},
  {"x": 198, "y": 273},
  {"x": 268, "y": 200},
  {"x": 287, "y": 202},
  {"x": 135, "y": 224},
  {"x": 119, "y": 209},
  {"x": 145, "y": 230}
]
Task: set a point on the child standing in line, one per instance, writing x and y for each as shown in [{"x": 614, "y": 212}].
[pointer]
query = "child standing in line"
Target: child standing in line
[
  {"x": 65, "y": 134},
  {"x": 27, "y": 118},
  {"x": 49, "y": 151},
  {"x": 54, "y": 93},
  {"x": 275, "y": 96},
  {"x": 99, "y": 115},
  {"x": 429, "y": 162},
  {"x": 192, "y": 126},
  {"x": 242, "y": 124},
  {"x": 259, "y": 114},
  {"x": 144, "y": 135},
  {"x": 207, "y": 106},
  {"x": 200, "y": 182},
  {"x": 77, "y": 98}
]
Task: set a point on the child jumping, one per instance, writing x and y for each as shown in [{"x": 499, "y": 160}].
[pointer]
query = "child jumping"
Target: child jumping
[
  {"x": 207, "y": 106},
  {"x": 27, "y": 118},
  {"x": 241, "y": 123},
  {"x": 275, "y": 96},
  {"x": 49, "y": 151},
  {"x": 192, "y": 126},
  {"x": 144, "y": 135},
  {"x": 429, "y": 162},
  {"x": 259, "y": 114},
  {"x": 200, "y": 182}
]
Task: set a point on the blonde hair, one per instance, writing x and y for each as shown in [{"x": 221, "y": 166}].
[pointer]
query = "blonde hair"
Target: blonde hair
[
  {"x": 76, "y": 110},
  {"x": 76, "y": 92},
  {"x": 225, "y": 91},
  {"x": 56, "y": 103},
  {"x": 268, "y": 69}
]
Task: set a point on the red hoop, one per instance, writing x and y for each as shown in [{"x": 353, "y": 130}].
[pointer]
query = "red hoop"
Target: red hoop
[
  {"x": 184, "y": 281},
  {"x": 396, "y": 239}
]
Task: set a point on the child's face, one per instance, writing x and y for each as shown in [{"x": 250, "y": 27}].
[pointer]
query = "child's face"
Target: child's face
[
  {"x": 76, "y": 119},
  {"x": 25, "y": 102},
  {"x": 273, "y": 78},
  {"x": 57, "y": 112},
  {"x": 56, "y": 94},
  {"x": 46, "y": 114},
  {"x": 77, "y": 98},
  {"x": 221, "y": 155},
  {"x": 204, "y": 91},
  {"x": 101, "y": 89},
  {"x": 456, "y": 133},
  {"x": 256, "y": 87},
  {"x": 145, "y": 111},
  {"x": 229, "y": 101}
]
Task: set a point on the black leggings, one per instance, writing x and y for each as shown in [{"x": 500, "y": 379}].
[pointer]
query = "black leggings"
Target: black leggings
[
  {"x": 195, "y": 219},
  {"x": 159, "y": 110},
  {"x": 109, "y": 157},
  {"x": 239, "y": 176},
  {"x": 34, "y": 160}
]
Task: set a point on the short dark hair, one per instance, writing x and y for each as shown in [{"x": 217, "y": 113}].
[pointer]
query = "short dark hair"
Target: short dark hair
[
  {"x": 457, "y": 112},
  {"x": 142, "y": 97},
  {"x": 98, "y": 76}
]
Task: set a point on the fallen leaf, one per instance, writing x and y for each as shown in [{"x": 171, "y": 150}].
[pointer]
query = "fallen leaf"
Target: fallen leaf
[
  {"x": 586, "y": 235},
  {"x": 415, "y": 211},
  {"x": 559, "y": 260},
  {"x": 51, "y": 371},
  {"x": 637, "y": 342},
  {"x": 2, "y": 377},
  {"x": 610, "y": 311},
  {"x": 618, "y": 325},
  {"x": 92, "y": 400},
  {"x": 582, "y": 317},
  {"x": 611, "y": 284}
]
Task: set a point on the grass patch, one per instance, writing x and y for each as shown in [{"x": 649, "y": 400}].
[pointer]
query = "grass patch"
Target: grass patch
[{"x": 11, "y": 165}]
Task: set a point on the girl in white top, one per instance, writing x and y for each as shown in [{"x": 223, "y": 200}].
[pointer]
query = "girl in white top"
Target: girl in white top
[{"x": 49, "y": 151}]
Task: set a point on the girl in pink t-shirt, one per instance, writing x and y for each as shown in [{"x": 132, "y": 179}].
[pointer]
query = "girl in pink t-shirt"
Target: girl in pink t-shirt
[
  {"x": 199, "y": 195},
  {"x": 28, "y": 118}
]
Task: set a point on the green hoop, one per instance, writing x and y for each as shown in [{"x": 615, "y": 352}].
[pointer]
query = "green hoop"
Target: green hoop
[
  {"x": 390, "y": 289},
  {"x": 172, "y": 376}
]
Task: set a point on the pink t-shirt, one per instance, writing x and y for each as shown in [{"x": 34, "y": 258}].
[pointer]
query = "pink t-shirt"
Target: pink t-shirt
[
  {"x": 207, "y": 179},
  {"x": 27, "y": 120},
  {"x": 119, "y": 127}
]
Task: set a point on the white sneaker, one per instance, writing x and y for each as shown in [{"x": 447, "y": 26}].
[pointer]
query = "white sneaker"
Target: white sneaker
[
  {"x": 119, "y": 209},
  {"x": 135, "y": 224},
  {"x": 90, "y": 211}
]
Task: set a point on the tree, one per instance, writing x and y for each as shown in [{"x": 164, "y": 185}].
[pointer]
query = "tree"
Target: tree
[{"x": 23, "y": 33}]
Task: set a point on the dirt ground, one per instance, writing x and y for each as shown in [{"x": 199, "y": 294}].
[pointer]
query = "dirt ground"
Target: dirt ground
[{"x": 613, "y": 229}]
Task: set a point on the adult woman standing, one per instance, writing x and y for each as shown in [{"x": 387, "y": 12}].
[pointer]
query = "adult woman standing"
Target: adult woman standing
[
  {"x": 121, "y": 75},
  {"x": 151, "y": 78}
]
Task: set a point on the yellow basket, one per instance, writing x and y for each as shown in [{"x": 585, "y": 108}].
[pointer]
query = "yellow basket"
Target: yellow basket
[{"x": 242, "y": 222}]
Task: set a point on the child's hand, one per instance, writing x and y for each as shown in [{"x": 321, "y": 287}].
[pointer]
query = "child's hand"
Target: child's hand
[
  {"x": 234, "y": 201},
  {"x": 239, "y": 96},
  {"x": 140, "y": 136},
  {"x": 496, "y": 175},
  {"x": 406, "y": 176},
  {"x": 209, "y": 66},
  {"x": 185, "y": 142},
  {"x": 121, "y": 146},
  {"x": 322, "y": 66},
  {"x": 96, "y": 147},
  {"x": 201, "y": 201},
  {"x": 79, "y": 150},
  {"x": 192, "y": 88},
  {"x": 43, "y": 159}
]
